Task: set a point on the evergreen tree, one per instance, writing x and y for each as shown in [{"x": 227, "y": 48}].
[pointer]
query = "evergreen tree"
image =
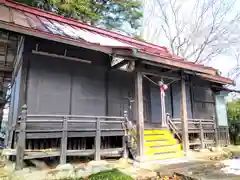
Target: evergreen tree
[
  {"x": 108, "y": 14},
  {"x": 233, "y": 108}
]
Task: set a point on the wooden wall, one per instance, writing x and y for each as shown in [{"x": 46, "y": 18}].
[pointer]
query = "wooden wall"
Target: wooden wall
[
  {"x": 60, "y": 86},
  {"x": 203, "y": 99},
  {"x": 200, "y": 100}
]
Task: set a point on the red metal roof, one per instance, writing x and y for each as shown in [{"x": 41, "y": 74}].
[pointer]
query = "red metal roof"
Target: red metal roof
[
  {"x": 15, "y": 15},
  {"x": 225, "y": 89},
  {"x": 218, "y": 79}
]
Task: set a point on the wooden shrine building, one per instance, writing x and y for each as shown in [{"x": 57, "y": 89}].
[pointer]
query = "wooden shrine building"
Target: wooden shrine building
[{"x": 76, "y": 89}]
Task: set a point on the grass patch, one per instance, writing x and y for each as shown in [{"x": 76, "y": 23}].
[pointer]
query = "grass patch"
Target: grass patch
[
  {"x": 110, "y": 175},
  {"x": 105, "y": 175}
]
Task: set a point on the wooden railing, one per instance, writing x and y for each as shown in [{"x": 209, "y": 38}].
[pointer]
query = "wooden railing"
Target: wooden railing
[
  {"x": 173, "y": 128},
  {"x": 205, "y": 128},
  {"x": 223, "y": 136},
  {"x": 63, "y": 127}
]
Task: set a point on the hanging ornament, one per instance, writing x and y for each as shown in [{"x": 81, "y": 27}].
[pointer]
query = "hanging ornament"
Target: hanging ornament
[{"x": 165, "y": 87}]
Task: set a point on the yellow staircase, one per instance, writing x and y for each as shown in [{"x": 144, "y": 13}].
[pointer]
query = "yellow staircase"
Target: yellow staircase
[{"x": 159, "y": 144}]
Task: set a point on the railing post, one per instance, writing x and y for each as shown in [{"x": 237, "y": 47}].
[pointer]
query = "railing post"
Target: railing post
[
  {"x": 201, "y": 134},
  {"x": 215, "y": 131},
  {"x": 63, "y": 153},
  {"x": 21, "y": 139},
  {"x": 228, "y": 138},
  {"x": 98, "y": 141},
  {"x": 167, "y": 120},
  {"x": 125, "y": 137}
]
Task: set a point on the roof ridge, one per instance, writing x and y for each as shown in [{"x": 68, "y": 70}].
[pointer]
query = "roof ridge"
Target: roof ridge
[{"x": 53, "y": 16}]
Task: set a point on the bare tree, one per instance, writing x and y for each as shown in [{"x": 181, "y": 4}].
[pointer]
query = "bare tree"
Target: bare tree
[
  {"x": 196, "y": 30},
  {"x": 234, "y": 73}
]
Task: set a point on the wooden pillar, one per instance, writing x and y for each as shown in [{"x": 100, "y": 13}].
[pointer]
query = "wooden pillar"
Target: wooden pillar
[
  {"x": 184, "y": 115},
  {"x": 201, "y": 134},
  {"x": 215, "y": 131},
  {"x": 63, "y": 153},
  {"x": 21, "y": 139},
  {"x": 98, "y": 140},
  {"x": 125, "y": 137},
  {"x": 139, "y": 114}
]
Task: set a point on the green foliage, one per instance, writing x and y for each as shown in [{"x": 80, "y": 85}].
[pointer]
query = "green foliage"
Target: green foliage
[
  {"x": 114, "y": 13},
  {"x": 109, "y": 14},
  {"x": 233, "y": 109},
  {"x": 105, "y": 175},
  {"x": 113, "y": 175}
]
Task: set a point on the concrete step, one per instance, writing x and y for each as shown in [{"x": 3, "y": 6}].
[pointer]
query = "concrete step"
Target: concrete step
[
  {"x": 157, "y": 131},
  {"x": 150, "y": 143},
  {"x": 163, "y": 156},
  {"x": 163, "y": 149},
  {"x": 158, "y": 137}
]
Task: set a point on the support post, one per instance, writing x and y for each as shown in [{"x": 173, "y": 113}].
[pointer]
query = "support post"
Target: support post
[
  {"x": 201, "y": 134},
  {"x": 228, "y": 138},
  {"x": 215, "y": 131},
  {"x": 21, "y": 139},
  {"x": 63, "y": 153},
  {"x": 184, "y": 115},
  {"x": 139, "y": 115},
  {"x": 125, "y": 137},
  {"x": 98, "y": 141}
]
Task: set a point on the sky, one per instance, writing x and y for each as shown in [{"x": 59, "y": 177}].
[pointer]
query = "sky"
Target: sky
[{"x": 223, "y": 62}]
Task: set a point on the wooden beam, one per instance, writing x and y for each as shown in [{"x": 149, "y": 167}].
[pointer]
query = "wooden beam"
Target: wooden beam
[
  {"x": 60, "y": 56},
  {"x": 184, "y": 115},
  {"x": 156, "y": 64},
  {"x": 175, "y": 63},
  {"x": 167, "y": 75},
  {"x": 120, "y": 64},
  {"x": 19, "y": 65},
  {"x": 18, "y": 58},
  {"x": 166, "y": 61},
  {"x": 139, "y": 114}
]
